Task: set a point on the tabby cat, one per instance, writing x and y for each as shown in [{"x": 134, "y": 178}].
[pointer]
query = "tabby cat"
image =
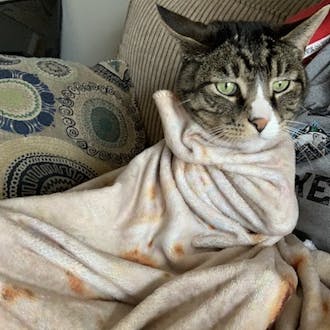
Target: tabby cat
[{"x": 241, "y": 81}]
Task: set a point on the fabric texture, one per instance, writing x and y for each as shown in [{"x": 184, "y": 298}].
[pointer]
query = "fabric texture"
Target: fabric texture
[
  {"x": 63, "y": 123},
  {"x": 312, "y": 139},
  {"x": 203, "y": 191},
  {"x": 140, "y": 247},
  {"x": 154, "y": 56}
]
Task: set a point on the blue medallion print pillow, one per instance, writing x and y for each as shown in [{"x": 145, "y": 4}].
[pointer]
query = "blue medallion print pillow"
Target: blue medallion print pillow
[{"x": 63, "y": 123}]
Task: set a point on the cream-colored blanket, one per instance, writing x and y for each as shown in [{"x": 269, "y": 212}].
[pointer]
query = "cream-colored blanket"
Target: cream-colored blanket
[{"x": 187, "y": 236}]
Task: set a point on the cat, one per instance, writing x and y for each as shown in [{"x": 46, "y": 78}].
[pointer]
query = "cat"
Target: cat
[{"x": 241, "y": 81}]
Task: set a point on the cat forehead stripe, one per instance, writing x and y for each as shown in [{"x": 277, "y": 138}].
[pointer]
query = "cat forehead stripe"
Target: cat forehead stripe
[{"x": 260, "y": 107}]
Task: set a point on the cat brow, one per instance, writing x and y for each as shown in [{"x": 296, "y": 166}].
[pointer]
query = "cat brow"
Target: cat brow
[{"x": 221, "y": 78}]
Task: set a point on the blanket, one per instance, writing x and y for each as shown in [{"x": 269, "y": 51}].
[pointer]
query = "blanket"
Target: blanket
[{"x": 190, "y": 235}]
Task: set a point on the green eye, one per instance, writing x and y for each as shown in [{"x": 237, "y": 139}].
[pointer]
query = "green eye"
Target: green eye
[
  {"x": 280, "y": 85},
  {"x": 226, "y": 88}
]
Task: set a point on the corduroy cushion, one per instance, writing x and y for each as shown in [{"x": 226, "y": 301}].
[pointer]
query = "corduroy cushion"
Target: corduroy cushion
[
  {"x": 63, "y": 123},
  {"x": 154, "y": 56}
]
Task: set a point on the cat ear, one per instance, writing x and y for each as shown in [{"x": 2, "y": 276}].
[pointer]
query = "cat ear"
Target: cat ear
[
  {"x": 302, "y": 33},
  {"x": 190, "y": 33}
]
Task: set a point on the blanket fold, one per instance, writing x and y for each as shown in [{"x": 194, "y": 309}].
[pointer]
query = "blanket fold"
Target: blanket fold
[
  {"x": 187, "y": 236},
  {"x": 179, "y": 196}
]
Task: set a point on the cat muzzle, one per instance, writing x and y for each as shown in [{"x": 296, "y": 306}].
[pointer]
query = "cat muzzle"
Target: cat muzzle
[{"x": 259, "y": 123}]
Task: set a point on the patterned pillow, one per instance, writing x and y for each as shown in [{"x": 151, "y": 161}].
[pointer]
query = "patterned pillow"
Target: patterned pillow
[{"x": 63, "y": 123}]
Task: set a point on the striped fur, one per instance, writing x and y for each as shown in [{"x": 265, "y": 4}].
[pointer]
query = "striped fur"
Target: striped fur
[
  {"x": 241, "y": 81},
  {"x": 252, "y": 56},
  {"x": 154, "y": 56}
]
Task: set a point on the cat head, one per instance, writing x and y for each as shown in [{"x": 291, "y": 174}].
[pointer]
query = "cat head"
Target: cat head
[{"x": 241, "y": 81}]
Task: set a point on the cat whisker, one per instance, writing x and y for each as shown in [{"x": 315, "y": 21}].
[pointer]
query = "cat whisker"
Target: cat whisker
[
  {"x": 214, "y": 133},
  {"x": 216, "y": 129},
  {"x": 216, "y": 137},
  {"x": 321, "y": 153},
  {"x": 223, "y": 136},
  {"x": 291, "y": 131},
  {"x": 303, "y": 110},
  {"x": 296, "y": 134},
  {"x": 313, "y": 153},
  {"x": 295, "y": 131},
  {"x": 318, "y": 150},
  {"x": 286, "y": 125},
  {"x": 288, "y": 128},
  {"x": 293, "y": 134},
  {"x": 302, "y": 151},
  {"x": 294, "y": 122},
  {"x": 185, "y": 101}
]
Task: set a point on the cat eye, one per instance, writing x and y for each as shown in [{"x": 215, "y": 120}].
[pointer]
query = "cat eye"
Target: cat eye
[
  {"x": 226, "y": 88},
  {"x": 280, "y": 85}
]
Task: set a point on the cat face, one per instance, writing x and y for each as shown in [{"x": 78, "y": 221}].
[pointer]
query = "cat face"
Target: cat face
[
  {"x": 240, "y": 89},
  {"x": 240, "y": 81}
]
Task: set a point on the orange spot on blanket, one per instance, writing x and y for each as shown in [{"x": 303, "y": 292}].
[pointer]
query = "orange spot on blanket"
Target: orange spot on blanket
[
  {"x": 188, "y": 168},
  {"x": 10, "y": 293},
  {"x": 138, "y": 257},
  {"x": 325, "y": 307},
  {"x": 287, "y": 287},
  {"x": 152, "y": 193},
  {"x": 178, "y": 248},
  {"x": 75, "y": 283},
  {"x": 257, "y": 238},
  {"x": 300, "y": 260}
]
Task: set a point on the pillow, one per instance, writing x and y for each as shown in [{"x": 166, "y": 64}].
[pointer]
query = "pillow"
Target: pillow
[
  {"x": 311, "y": 132},
  {"x": 63, "y": 123},
  {"x": 154, "y": 56},
  {"x": 312, "y": 139}
]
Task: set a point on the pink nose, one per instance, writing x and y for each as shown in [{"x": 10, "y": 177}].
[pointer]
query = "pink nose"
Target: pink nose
[{"x": 259, "y": 123}]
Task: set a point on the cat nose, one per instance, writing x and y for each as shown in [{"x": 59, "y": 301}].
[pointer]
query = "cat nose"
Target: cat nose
[{"x": 259, "y": 123}]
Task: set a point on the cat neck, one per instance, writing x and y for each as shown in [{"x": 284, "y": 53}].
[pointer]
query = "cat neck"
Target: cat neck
[{"x": 190, "y": 142}]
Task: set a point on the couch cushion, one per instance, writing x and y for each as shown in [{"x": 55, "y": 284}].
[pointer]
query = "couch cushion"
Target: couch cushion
[
  {"x": 154, "y": 56},
  {"x": 63, "y": 123}
]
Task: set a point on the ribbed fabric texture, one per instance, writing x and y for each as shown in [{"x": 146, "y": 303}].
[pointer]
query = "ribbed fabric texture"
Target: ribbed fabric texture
[{"x": 154, "y": 56}]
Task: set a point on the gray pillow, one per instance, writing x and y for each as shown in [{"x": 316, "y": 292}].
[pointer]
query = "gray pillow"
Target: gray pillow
[{"x": 312, "y": 139}]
